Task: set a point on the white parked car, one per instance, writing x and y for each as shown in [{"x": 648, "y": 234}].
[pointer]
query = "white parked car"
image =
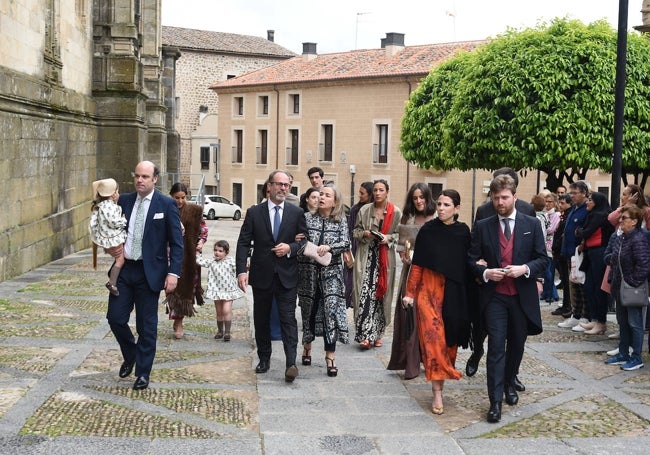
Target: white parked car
[{"x": 219, "y": 207}]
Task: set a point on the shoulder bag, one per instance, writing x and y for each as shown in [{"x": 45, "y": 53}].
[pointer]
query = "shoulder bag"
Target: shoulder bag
[{"x": 631, "y": 296}]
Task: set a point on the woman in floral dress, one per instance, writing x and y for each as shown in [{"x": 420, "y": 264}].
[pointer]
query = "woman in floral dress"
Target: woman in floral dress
[
  {"x": 374, "y": 267},
  {"x": 321, "y": 289}
]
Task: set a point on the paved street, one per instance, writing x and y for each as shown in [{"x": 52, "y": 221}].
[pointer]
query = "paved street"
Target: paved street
[{"x": 60, "y": 393}]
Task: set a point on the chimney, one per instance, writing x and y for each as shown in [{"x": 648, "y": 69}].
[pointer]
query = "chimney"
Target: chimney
[
  {"x": 309, "y": 51},
  {"x": 383, "y": 43},
  {"x": 270, "y": 35},
  {"x": 394, "y": 43}
]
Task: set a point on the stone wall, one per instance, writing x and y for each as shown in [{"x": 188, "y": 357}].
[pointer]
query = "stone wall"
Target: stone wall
[
  {"x": 80, "y": 99},
  {"x": 47, "y": 163},
  {"x": 195, "y": 72}
]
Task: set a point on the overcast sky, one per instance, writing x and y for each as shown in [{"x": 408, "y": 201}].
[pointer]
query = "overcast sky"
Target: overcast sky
[{"x": 343, "y": 25}]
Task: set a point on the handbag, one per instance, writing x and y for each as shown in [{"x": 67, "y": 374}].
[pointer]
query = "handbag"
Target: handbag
[
  {"x": 629, "y": 295},
  {"x": 310, "y": 250},
  {"x": 633, "y": 297},
  {"x": 576, "y": 275}
]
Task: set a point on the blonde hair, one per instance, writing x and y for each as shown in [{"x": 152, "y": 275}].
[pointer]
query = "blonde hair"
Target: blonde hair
[{"x": 337, "y": 213}]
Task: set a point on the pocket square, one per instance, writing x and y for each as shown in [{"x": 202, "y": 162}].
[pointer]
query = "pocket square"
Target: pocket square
[
  {"x": 159, "y": 216},
  {"x": 526, "y": 233}
]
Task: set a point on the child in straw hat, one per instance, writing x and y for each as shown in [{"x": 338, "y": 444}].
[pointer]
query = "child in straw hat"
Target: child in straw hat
[{"x": 108, "y": 224}]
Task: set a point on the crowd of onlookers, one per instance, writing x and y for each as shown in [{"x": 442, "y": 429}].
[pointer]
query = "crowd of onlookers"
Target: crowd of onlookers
[{"x": 458, "y": 286}]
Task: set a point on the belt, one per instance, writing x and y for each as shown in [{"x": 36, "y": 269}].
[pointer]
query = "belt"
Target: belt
[{"x": 133, "y": 261}]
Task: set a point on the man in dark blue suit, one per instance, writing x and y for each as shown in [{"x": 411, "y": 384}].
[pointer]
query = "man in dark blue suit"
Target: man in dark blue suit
[
  {"x": 272, "y": 228},
  {"x": 478, "y": 331},
  {"x": 153, "y": 228},
  {"x": 512, "y": 245}
]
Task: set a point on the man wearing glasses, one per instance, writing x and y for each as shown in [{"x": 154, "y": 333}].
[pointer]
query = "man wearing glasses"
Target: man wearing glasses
[
  {"x": 272, "y": 227},
  {"x": 579, "y": 192}
]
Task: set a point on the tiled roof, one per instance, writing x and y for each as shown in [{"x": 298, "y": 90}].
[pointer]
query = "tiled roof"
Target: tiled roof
[
  {"x": 410, "y": 60},
  {"x": 228, "y": 43}
]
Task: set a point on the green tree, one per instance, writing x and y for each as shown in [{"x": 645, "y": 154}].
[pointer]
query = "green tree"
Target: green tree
[{"x": 540, "y": 98}]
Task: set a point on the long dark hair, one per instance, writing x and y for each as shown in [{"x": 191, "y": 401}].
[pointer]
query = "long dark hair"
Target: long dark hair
[
  {"x": 177, "y": 187},
  {"x": 409, "y": 206},
  {"x": 368, "y": 187},
  {"x": 303, "y": 199}
]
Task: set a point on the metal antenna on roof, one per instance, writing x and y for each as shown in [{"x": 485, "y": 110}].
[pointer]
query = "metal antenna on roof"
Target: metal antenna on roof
[{"x": 356, "y": 30}]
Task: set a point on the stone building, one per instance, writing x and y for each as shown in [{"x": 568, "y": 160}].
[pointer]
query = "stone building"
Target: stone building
[
  {"x": 340, "y": 111},
  {"x": 206, "y": 57},
  {"x": 81, "y": 98}
]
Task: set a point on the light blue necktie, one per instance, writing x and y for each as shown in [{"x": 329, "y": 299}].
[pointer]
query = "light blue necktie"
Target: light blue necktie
[
  {"x": 276, "y": 223},
  {"x": 138, "y": 230}
]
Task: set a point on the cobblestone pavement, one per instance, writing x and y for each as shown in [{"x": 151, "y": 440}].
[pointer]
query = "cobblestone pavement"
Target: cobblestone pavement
[{"x": 60, "y": 393}]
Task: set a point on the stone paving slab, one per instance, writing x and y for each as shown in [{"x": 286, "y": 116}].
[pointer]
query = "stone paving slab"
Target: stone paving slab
[{"x": 59, "y": 391}]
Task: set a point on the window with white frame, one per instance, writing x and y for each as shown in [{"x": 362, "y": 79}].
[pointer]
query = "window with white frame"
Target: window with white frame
[
  {"x": 294, "y": 103},
  {"x": 261, "y": 151},
  {"x": 325, "y": 147},
  {"x": 238, "y": 106},
  {"x": 237, "y": 155},
  {"x": 380, "y": 146},
  {"x": 263, "y": 105},
  {"x": 292, "y": 149}
]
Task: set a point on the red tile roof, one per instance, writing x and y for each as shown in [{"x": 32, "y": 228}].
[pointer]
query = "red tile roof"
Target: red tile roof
[
  {"x": 410, "y": 60},
  {"x": 226, "y": 43}
]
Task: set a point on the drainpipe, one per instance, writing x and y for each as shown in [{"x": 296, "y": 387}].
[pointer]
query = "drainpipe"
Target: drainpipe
[
  {"x": 408, "y": 164},
  {"x": 277, "y": 127}
]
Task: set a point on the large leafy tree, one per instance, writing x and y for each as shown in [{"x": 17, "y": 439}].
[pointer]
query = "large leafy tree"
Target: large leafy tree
[{"x": 539, "y": 98}]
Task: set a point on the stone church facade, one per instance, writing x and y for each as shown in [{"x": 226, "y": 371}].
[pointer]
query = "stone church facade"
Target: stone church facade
[{"x": 86, "y": 91}]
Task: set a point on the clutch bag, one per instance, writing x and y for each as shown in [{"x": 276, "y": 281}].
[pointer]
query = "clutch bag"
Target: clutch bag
[{"x": 311, "y": 251}]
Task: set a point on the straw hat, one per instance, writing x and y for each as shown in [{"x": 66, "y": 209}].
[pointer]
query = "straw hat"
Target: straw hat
[{"x": 104, "y": 187}]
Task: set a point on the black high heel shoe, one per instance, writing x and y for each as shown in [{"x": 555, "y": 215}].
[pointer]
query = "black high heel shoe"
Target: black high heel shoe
[
  {"x": 306, "y": 356},
  {"x": 332, "y": 370}
]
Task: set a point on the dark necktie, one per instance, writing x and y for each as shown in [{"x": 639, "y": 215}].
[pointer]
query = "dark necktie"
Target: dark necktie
[
  {"x": 276, "y": 222},
  {"x": 506, "y": 228}
]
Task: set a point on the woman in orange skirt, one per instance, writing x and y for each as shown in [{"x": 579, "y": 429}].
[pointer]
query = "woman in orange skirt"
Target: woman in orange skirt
[{"x": 438, "y": 283}]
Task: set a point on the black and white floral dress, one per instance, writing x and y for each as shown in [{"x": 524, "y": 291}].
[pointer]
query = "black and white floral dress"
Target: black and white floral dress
[
  {"x": 107, "y": 225},
  {"x": 324, "y": 283},
  {"x": 222, "y": 278}
]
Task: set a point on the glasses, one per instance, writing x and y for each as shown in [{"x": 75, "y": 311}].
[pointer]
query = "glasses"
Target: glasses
[
  {"x": 626, "y": 217},
  {"x": 282, "y": 184}
]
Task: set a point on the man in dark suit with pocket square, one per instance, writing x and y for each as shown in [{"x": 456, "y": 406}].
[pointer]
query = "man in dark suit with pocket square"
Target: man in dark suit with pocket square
[
  {"x": 512, "y": 245},
  {"x": 479, "y": 334},
  {"x": 154, "y": 252},
  {"x": 272, "y": 228}
]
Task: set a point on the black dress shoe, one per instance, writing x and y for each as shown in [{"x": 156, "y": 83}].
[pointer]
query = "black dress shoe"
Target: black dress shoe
[
  {"x": 494, "y": 414},
  {"x": 263, "y": 366},
  {"x": 472, "y": 363},
  {"x": 291, "y": 373},
  {"x": 559, "y": 311},
  {"x": 511, "y": 395},
  {"x": 126, "y": 369},
  {"x": 519, "y": 387},
  {"x": 141, "y": 383}
]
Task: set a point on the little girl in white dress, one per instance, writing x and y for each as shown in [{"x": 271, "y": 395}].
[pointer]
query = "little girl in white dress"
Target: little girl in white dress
[
  {"x": 222, "y": 286},
  {"x": 108, "y": 225}
]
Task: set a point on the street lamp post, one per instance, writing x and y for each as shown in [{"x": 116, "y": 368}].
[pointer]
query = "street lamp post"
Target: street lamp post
[
  {"x": 353, "y": 170},
  {"x": 619, "y": 101}
]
